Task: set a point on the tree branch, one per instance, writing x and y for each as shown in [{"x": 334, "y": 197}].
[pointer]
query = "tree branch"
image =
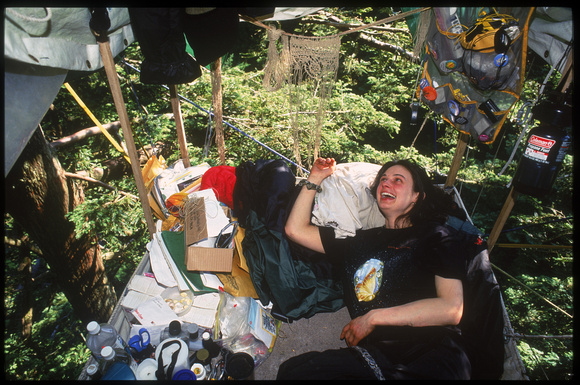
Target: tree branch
[
  {"x": 90, "y": 131},
  {"x": 371, "y": 41},
  {"x": 20, "y": 243},
  {"x": 102, "y": 184},
  {"x": 344, "y": 26}
]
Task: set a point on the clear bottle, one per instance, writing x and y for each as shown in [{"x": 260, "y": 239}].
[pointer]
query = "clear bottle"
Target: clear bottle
[
  {"x": 114, "y": 364},
  {"x": 101, "y": 335}
]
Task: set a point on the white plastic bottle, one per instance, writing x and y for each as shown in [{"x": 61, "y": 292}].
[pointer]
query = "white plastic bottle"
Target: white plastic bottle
[{"x": 101, "y": 335}]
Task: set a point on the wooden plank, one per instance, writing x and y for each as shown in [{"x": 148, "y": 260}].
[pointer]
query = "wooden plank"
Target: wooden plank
[
  {"x": 216, "y": 96},
  {"x": 457, "y": 158},
  {"x": 502, "y": 218},
  {"x": 179, "y": 124},
  {"x": 111, "y": 72}
]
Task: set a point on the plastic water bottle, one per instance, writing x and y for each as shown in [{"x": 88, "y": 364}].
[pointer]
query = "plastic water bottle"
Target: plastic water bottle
[
  {"x": 101, "y": 335},
  {"x": 115, "y": 362}
]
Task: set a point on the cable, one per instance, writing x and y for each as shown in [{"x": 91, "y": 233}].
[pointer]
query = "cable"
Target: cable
[{"x": 233, "y": 127}]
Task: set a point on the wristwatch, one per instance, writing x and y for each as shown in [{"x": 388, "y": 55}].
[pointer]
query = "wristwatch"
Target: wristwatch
[{"x": 310, "y": 185}]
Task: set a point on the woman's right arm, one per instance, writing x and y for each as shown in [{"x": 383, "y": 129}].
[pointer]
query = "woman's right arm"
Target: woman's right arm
[{"x": 298, "y": 227}]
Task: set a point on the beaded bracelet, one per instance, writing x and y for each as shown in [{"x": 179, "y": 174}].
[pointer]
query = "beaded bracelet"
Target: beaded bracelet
[{"x": 310, "y": 185}]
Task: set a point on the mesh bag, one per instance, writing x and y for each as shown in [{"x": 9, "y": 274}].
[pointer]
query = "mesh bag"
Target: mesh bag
[{"x": 473, "y": 66}]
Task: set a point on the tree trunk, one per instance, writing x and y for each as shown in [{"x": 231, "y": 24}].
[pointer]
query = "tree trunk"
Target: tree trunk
[{"x": 38, "y": 197}]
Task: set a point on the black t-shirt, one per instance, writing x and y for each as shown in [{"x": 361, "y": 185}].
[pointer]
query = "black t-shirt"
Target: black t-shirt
[{"x": 389, "y": 267}]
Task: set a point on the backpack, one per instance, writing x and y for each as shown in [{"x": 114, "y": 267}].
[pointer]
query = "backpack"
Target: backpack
[{"x": 482, "y": 323}]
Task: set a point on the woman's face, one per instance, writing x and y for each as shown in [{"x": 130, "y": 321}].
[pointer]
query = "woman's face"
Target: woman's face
[{"x": 395, "y": 194}]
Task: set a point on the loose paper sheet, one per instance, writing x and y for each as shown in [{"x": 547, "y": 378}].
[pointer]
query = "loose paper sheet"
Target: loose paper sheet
[{"x": 154, "y": 312}]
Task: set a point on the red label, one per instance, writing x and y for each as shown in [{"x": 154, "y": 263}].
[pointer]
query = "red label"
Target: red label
[{"x": 541, "y": 142}]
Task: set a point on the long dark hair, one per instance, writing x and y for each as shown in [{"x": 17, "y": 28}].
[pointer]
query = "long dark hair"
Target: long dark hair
[{"x": 433, "y": 204}]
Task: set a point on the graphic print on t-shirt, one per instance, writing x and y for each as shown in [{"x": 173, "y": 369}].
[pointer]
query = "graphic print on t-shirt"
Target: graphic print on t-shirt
[{"x": 368, "y": 279}]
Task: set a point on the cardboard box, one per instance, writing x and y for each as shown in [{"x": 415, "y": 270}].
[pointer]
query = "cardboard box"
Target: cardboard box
[{"x": 199, "y": 258}]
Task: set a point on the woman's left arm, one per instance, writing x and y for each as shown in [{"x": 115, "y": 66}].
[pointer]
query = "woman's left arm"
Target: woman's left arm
[{"x": 445, "y": 309}]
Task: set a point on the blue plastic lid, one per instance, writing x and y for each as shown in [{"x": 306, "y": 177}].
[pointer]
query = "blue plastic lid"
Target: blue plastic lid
[{"x": 184, "y": 374}]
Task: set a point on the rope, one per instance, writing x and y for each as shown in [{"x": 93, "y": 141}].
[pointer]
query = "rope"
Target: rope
[
  {"x": 518, "y": 335},
  {"x": 211, "y": 114},
  {"x": 208, "y": 134},
  {"x": 94, "y": 119},
  {"x": 526, "y": 108},
  {"x": 420, "y": 129},
  {"x": 436, "y": 158},
  {"x": 531, "y": 246},
  {"x": 141, "y": 110},
  {"x": 531, "y": 290},
  {"x": 32, "y": 18}
]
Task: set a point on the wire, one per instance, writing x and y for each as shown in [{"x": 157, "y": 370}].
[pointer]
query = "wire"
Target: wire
[
  {"x": 531, "y": 290},
  {"x": 233, "y": 127},
  {"x": 533, "y": 224}
]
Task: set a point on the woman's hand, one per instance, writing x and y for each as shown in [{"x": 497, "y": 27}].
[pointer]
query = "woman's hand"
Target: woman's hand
[
  {"x": 322, "y": 168},
  {"x": 357, "y": 329},
  {"x": 444, "y": 309},
  {"x": 298, "y": 227}
]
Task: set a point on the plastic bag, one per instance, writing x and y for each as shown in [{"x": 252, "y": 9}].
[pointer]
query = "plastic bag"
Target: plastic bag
[{"x": 235, "y": 331}]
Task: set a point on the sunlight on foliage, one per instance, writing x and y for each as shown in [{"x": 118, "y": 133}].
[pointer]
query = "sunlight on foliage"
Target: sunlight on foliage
[{"x": 367, "y": 120}]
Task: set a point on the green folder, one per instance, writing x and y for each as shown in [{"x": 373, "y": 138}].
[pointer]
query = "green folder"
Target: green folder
[{"x": 175, "y": 243}]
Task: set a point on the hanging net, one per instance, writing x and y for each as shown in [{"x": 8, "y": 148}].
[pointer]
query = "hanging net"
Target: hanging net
[{"x": 307, "y": 67}]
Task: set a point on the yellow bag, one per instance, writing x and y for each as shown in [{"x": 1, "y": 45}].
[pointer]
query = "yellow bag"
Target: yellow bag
[{"x": 152, "y": 168}]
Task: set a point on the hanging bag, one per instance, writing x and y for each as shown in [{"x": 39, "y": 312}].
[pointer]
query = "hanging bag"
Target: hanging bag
[{"x": 474, "y": 66}]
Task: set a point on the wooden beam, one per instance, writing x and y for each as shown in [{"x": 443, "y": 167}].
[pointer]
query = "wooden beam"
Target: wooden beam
[
  {"x": 179, "y": 124},
  {"x": 502, "y": 218},
  {"x": 216, "y": 96},
  {"x": 457, "y": 158},
  {"x": 109, "y": 63}
]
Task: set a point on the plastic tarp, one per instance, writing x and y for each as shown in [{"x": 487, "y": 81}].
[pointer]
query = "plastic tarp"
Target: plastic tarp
[
  {"x": 61, "y": 37},
  {"x": 41, "y": 45},
  {"x": 551, "y": 31}
]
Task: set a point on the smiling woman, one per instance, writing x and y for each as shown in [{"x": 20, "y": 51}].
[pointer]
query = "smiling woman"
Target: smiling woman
[
  {"x": 395, "y": 194},
  {"x": 418, "y": 198},
  {"x": 403, "y": 282}
]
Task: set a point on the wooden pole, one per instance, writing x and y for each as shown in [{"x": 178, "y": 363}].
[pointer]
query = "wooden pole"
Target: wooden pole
[
  {"x": 216, "y": 96},
  {"x": 456, "y": 163},
  {"x": 109, "y": 64},
  {"x": 502, "y": 218},
  {"x": 179, "y": 124}
]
